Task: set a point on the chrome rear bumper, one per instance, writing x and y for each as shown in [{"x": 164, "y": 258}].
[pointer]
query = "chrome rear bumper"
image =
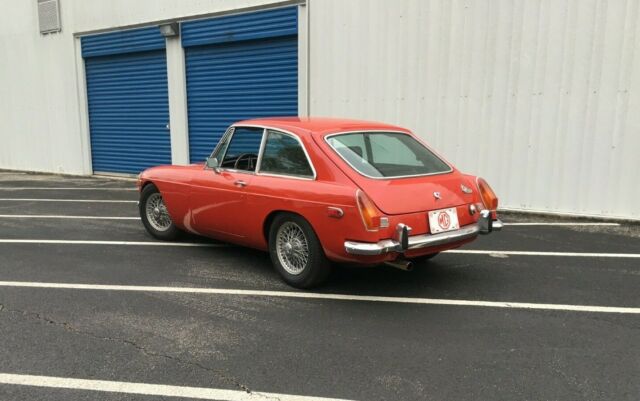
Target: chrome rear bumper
[{"x": 403, "y": 241}]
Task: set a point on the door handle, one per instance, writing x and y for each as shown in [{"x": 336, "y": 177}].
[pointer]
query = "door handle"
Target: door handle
[{"x": 240, "y": 183}]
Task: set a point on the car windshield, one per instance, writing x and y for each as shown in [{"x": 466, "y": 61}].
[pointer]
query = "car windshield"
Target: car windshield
[{"x": 386, "y": 154}]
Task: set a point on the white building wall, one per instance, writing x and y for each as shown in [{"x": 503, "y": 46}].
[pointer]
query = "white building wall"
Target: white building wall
[{"x": 542, "y": 98}]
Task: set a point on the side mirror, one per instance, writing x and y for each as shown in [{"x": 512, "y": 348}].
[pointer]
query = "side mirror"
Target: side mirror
[{"x": 212, "y": 163}]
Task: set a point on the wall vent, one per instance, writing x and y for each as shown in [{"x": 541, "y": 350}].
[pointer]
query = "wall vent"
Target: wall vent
[{"x": 49, "y": 16}]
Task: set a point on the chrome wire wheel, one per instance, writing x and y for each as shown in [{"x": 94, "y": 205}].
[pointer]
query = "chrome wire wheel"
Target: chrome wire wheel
[
  {"x": 292, "y": 248},
  {"x": 157, "y": 213}
]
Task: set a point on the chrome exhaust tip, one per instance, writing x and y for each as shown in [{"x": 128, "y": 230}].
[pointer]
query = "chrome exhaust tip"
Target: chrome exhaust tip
[{"x": 401, "y": 264}]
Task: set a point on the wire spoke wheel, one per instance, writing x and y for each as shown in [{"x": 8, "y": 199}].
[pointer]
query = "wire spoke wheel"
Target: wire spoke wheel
[
  {"x": 296, "y": 251},
  {"x": 292, "y": 248},
  {"x": 157, "y": 213}
]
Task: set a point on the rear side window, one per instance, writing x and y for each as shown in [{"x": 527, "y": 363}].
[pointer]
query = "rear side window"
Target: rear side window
[
  {"x": 386, "y": 154},
  {"x": 283, "y": 154}
]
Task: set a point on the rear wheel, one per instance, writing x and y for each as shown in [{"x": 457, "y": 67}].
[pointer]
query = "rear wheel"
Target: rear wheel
[
  {"x": 296, "y": 252},
  {"x": 154, "y": 214}
]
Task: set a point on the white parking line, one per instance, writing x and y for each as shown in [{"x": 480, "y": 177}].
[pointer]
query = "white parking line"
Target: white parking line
[
  {"x": 335, "y": 297},
  {"x": 561, "y": 224},
  {"x": 205, "y": 244},
  {"x": 67, "y": 200},
  {"x": 160, "y": 390},
  {"x": 534, "y": 253},
  {"x": 43, "y": 216},
  {"x": 132, "y": 243},
  {"x": 66, "y": 189}
]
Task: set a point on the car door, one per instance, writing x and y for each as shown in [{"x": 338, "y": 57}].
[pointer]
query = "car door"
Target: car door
[
  {"x": 281, "y": 181},
  {"x": 218, "y": 196}
]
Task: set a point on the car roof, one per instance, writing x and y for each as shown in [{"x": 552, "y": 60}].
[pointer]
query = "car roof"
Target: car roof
[{"x": 319, "y": 125}]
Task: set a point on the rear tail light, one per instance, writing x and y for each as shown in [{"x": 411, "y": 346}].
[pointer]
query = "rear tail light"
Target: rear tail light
[
  {"x": 371, "y": 216},
  {"x": 489, "y": 198}
]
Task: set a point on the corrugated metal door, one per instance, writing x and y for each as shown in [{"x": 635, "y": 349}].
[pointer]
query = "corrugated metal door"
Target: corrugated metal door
[
  {"x": 126, "y": 74},
  {"x": 239, "y": 67}
]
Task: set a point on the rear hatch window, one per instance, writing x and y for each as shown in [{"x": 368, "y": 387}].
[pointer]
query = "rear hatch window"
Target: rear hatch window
[{"x": 386, "y": 154}]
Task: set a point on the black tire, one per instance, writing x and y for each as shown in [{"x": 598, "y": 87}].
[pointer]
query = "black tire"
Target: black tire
[
  {"x": 317, "y": 267},
  {"x": 150, "y": 192}
]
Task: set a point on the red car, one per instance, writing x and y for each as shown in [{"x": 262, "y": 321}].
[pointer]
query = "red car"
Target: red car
[{"x": 313, "y": 191}]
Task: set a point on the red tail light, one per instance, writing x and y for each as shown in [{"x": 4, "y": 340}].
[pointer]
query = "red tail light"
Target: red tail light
[
  {"x": 489, "y": 198},
  {"x": 368, "y": 211}
]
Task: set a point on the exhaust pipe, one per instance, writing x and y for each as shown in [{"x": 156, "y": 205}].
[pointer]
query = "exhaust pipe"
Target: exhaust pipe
[{"x": 401, "y": 264}]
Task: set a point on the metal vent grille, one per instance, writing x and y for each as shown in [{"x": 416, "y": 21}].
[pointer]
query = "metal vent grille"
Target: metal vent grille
[{"x": 49, "y": 16}]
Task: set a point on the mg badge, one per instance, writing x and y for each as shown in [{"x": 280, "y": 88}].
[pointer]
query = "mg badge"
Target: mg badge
[
  {"x": 465, "y": 189},
  {"x": 436, "y": 195},
  {"x": 444, "y": 221}
]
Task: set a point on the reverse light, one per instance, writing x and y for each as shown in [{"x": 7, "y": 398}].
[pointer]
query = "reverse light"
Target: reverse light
[
  {"x": 371, "y": 216},
  {"x": 489, "y": 198}
]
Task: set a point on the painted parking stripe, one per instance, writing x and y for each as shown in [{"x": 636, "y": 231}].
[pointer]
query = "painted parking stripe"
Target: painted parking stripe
[
  {"x": 533, "y": 253},
  {"x": 561, "y": 224},
  {"x": 129, "y": 243},
  {"x": 110, "y": 177},
  {"x": 66, "y": 189},
  {"x": 335, "y": 297},
  {"x": 44, "y": 216},
  {"x": 66, "y": 200},
  {"x": 160, "y": 390},
  {"x": 199, "y": 244}
]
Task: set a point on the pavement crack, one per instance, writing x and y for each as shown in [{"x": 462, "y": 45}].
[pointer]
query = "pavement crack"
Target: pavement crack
[{"x": 69, "y": 327}]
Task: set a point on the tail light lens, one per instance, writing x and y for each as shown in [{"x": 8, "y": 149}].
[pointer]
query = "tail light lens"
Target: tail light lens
[
  {"x": 368, "y": 211},
  {"x": 489, "y": 198}
]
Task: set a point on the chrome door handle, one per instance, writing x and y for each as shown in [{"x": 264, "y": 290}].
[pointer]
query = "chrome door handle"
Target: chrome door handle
[{"x": 240, "y": 183}]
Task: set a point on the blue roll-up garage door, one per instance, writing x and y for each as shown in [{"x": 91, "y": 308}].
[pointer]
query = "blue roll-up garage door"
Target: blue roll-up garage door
[
  {"x": 238, "y": 67},
  {"x": 126, "y": 75}
]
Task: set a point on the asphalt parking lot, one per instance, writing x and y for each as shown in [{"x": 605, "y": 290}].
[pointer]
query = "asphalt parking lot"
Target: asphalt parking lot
[{"x": 91, "y": 305}]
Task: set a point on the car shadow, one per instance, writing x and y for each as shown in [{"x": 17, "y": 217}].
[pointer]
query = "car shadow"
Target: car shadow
[
  {"x": 428, "y": 278},
  {"x": 442, "y": 276}
]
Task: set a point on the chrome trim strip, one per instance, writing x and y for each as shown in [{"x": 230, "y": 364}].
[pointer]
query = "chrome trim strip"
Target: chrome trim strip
[
  {"x": 484, "y": 226},
  {"x": 326, "y": 139},
  {"x": 293, "y": 177},
  {"x": 263, "y": 141}
]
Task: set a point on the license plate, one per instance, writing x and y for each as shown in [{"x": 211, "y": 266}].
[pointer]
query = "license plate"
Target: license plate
[{"x": 443, "y": 220}]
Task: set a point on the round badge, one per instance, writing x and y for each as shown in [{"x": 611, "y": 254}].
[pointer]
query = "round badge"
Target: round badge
[{"x": 443, "y": 220}]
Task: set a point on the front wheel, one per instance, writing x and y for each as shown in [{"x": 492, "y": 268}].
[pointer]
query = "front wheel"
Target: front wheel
[
  {"x": 296, "y": 252},
  {"x": 154, "y": 214}
]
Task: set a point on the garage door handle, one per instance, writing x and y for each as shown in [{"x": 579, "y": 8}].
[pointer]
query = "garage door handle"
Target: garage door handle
[{"x": 240, "y": 183}]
